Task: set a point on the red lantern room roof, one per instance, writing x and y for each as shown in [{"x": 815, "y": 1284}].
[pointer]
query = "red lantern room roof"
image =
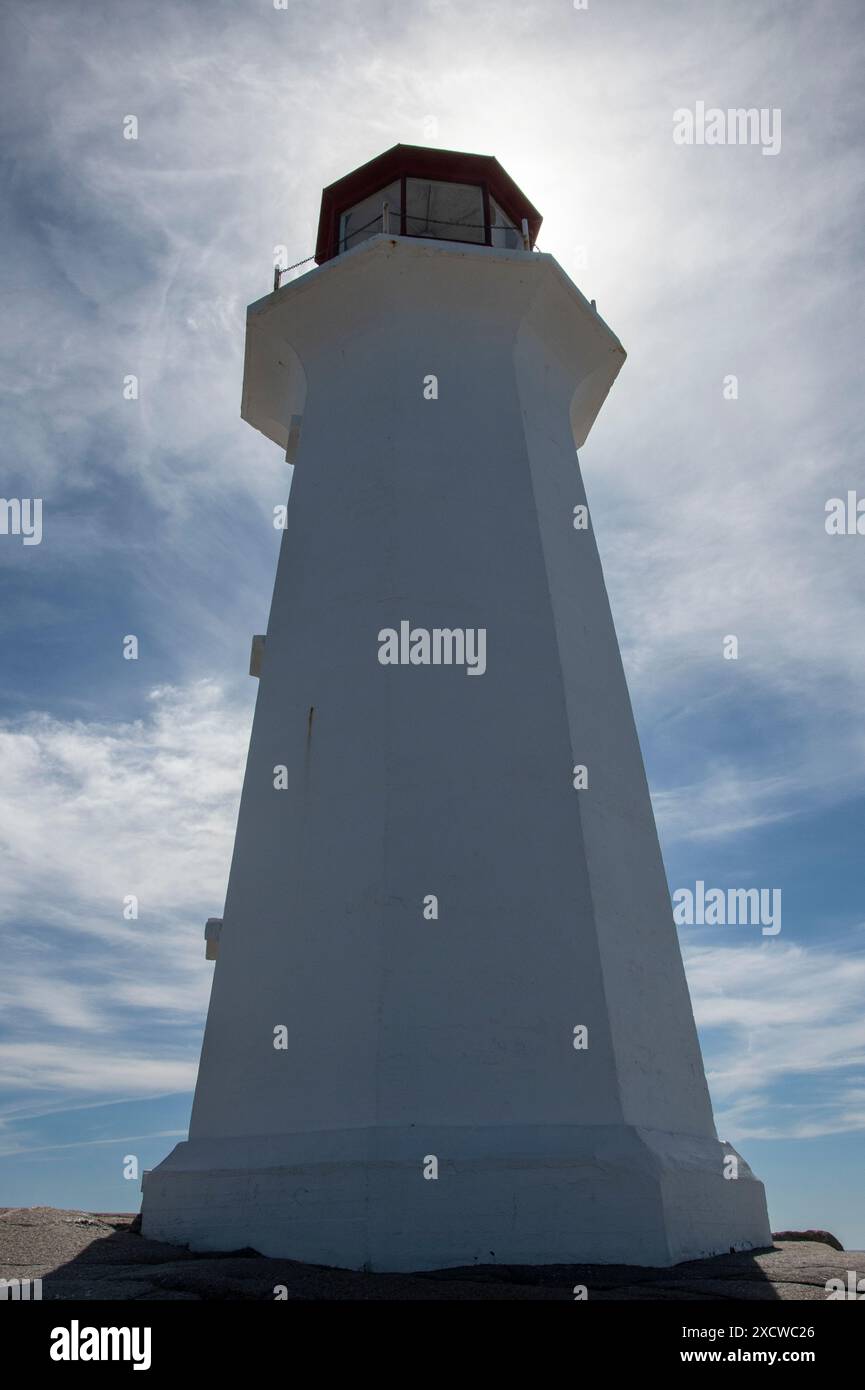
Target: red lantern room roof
[{"x": 490, "y": 203}]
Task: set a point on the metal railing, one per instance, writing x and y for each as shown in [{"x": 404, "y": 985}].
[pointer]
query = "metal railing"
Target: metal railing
[{"x": 383, "y": 218}]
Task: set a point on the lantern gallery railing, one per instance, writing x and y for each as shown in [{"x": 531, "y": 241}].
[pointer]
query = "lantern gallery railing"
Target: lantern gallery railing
[
  {"x": 391, "y": 220},
  {"x": 383, "y": 220}
]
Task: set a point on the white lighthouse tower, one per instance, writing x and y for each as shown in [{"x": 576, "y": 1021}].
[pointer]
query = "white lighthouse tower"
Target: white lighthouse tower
[{"x": 449, "y": 1021}]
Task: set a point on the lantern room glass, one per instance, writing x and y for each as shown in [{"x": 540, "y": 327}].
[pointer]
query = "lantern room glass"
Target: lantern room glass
[
  {"x": 437, "y": 208},
  {"x": 365, "y": 218},
  {"x": 449, "y": 211},
  {"x": 503, "y": 232}
]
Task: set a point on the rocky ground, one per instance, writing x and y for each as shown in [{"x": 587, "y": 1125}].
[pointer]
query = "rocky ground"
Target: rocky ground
[{"x": 82, "y": 1255}]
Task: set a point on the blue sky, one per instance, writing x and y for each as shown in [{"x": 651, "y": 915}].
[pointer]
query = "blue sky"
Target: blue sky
[{"x": 139, "y": 257}]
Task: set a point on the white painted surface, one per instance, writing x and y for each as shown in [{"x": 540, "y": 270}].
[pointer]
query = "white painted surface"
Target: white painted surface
[{"x": 452, "y": 1038}]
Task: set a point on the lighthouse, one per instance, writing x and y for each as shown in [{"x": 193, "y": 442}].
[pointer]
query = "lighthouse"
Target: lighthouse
[{"x": 449, "y": 1021}]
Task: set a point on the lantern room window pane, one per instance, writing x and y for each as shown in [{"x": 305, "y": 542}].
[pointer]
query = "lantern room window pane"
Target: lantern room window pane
[
  {"x": 451, "y": 211},
  {"x": 504, "y": 233},
  {"x": 364, "y": 219}
]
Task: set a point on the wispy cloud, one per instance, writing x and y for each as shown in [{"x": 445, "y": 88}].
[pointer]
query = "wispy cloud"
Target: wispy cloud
[
  {"x": 93, "y": 1143},
  {"x": 95, "y": 1005},
  {"x": 93, "y": 812},
  {"x": 774, "y": 1013}
]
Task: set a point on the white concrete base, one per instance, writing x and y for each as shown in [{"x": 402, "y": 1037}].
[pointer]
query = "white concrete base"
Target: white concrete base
[{"x": 359, "y": 1199}]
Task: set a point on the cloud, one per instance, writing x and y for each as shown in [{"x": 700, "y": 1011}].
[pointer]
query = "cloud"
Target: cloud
[
  {"x": 93, "y": 812},
  {"x": 94, "y": 1004},
  {"x": 16, "y": 1150},
  {"x": 77, "y": 1069},
  {"x": 776, "y": 1014},
  {"x": 731, "y": 800}
]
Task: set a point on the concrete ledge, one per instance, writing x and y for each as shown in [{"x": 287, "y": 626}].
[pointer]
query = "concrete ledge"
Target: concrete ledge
[{"x": 548, "y": 1195}]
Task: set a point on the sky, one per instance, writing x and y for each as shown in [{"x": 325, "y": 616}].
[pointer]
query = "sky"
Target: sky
[{"x": 138, "y": 257}]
